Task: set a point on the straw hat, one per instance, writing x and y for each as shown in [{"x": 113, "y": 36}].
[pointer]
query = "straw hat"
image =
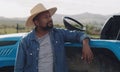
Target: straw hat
[{"x": 39, "y": 8}]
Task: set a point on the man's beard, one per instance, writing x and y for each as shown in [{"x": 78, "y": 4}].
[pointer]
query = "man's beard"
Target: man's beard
[{"x": 48, "y": 26}]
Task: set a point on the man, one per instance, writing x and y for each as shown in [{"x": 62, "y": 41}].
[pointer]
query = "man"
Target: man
[{"x": 42, "y": 50}]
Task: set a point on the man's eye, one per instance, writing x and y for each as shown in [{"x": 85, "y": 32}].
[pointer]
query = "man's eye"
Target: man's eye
[{"x": 47, "y": 16}]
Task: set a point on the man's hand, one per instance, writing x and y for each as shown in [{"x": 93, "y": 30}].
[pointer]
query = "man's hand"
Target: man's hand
[{"x": 87, "y": 53}]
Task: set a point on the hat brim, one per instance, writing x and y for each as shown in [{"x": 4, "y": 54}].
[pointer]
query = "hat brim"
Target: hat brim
[{"x": 29, "y": 21}]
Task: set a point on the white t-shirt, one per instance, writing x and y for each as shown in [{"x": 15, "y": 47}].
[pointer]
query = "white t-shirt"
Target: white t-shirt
[{"x": 45, "y": 59}]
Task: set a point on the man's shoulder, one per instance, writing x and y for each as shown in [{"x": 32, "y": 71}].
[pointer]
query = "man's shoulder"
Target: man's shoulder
[
  {"x": 30, "y": 35},
  {"x": 62, "y": 30},
  {"x": 59, "y": 29}
]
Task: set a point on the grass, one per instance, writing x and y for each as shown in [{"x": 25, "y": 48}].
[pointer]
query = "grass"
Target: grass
[
  {"x": 95, "y": 36},
  {"x": 13, "y": 30}
]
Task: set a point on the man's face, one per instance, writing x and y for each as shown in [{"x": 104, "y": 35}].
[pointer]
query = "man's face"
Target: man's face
[{"x": 44, "y": 21}]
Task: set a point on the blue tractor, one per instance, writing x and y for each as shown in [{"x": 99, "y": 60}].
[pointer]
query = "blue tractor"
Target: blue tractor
[{"x": 106, "y": 49}]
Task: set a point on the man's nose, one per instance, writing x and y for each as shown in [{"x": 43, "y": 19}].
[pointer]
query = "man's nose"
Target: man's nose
[{"x": 50, "y": 19}]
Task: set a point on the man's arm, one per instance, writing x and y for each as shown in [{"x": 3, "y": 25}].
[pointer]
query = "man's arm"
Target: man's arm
[
  {"x": 81, "y": 37},
  {"x": 87, "y": 53},
  {"x": 73, "y": 36}
]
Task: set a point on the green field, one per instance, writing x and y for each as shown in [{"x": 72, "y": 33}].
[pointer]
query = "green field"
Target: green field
[{"x": 7, "y": 29}]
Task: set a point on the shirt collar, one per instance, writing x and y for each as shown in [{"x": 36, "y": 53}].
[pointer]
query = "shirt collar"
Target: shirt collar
[{"x": 33, "y": 34}]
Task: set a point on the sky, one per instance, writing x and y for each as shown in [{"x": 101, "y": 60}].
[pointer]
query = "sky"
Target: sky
[{"x": 21, "y": 8}]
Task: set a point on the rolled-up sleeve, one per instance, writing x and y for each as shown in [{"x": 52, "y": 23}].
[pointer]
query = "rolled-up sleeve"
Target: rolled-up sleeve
[{"x": 84, "y": 36}]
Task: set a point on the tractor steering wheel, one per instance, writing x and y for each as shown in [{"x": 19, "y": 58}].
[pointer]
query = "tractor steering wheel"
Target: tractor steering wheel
[{"x": 70, "y": 26}]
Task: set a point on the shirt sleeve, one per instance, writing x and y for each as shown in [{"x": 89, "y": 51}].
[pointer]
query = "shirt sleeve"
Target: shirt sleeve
[
  {"x": 20, "y": 56},
  {"x": 74, "y": 36}
]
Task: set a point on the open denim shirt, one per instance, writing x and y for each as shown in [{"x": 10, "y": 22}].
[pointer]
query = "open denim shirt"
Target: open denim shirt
[{"x": 28, "y": 50}]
